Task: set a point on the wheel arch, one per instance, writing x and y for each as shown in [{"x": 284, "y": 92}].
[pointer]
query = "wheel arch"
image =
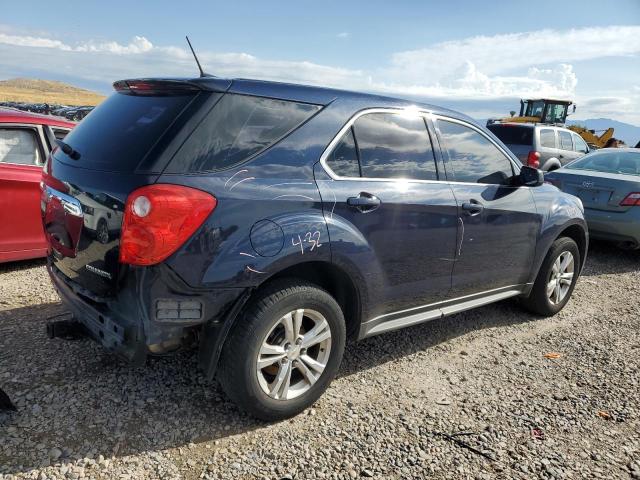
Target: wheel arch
[
  {"x": 551, "y": 164},
  {"x": 579, "y": 235},
  {"x": 325, "y": 275},
  {"x": 334, "y": 280}
]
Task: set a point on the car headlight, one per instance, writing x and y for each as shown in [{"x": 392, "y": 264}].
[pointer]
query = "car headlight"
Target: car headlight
[{"x": 88, "y": 210}]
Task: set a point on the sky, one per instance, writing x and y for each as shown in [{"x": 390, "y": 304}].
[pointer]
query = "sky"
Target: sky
[{"x": 475, "y": 57}]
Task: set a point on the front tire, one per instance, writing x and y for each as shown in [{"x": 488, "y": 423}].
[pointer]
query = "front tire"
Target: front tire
[
  {"x": 283, "y": 351},
  {"x": 556, "y": 278}
]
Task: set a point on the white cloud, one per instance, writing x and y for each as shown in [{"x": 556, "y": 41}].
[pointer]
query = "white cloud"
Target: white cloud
[
  {"x": 483, "y": 68},
  {"x": 499, "y": 53},
  {"x": 29, "y": 41},
  {"x": 137, "y": 45}
]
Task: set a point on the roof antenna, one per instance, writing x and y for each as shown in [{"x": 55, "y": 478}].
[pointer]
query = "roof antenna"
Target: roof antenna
[{"x": 202, "y": 74}]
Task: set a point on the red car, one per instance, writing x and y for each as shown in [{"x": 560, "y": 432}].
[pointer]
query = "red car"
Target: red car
[{"x": 25, "y": 142}]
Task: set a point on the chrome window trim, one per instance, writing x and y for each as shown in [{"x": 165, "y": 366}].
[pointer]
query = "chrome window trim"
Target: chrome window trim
[
  {"x": 516, "y": 167},
  {"x": 418, "y": 112}
]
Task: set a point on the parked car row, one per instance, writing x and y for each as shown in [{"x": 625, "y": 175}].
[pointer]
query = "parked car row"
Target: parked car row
[{"x": 73, "y": 113}]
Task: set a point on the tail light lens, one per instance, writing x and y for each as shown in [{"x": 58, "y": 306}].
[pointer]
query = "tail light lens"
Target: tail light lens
[
  {"x": 633, "y": 199},
  {"x": 158, "y": 219},
  {"x": 533, "y": 159}
]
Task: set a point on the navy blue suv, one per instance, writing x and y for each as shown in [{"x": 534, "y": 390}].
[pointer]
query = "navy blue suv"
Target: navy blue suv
[{"x": 266, "y": 224}]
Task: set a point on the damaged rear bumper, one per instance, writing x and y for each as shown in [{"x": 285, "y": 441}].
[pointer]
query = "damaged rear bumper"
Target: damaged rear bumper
[
  {"x": 98, "y": 321},
  {"x": 143, "y": 318}
]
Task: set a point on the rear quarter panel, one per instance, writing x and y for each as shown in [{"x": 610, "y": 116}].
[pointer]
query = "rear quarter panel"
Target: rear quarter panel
[
  {"x": 269, "y": 214},
  {"x": 559, "y": 211}
]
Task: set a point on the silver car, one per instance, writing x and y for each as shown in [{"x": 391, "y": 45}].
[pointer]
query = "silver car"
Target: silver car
[
  {"x": 547, "y": 147},
  {"x": 608, "y": 183}
]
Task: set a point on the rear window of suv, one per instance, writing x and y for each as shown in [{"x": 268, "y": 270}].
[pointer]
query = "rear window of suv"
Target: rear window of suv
[
  {"x": 119, "y": 133},
  {"x": 513, "y": 134},
  {"x": 237, "y": 128}
]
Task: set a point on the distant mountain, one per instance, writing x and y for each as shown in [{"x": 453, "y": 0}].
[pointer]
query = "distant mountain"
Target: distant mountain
[
  {"x": 630, "y": 134},
  {"x": 32, "y": 90}
]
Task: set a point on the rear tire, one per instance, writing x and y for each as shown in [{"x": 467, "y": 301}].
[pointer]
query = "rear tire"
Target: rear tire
[
  {"x": 556, "y": 278},
  {"x": 271, "y": 342}
]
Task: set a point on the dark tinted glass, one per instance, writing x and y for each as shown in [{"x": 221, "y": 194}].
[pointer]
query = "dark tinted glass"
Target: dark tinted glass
[
  {"x": 565, "y": 140},
  {"x": 238, "y": 127},
  {"x": 118, "y": 133},
  {"x": 60, "y": 134},
  {"x": 611, "y": 162},
  {"x": 547, "y": 138},
  {"x": 472, "y": 156},
  {"x": 514, "y": 135},
  {"x": 394, "y": 146},
  {"x": 344, "y": 159}
]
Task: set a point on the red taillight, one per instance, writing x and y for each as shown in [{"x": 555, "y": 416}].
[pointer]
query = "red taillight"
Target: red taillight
[
  {"x": 533, "y": 159},
  {"x": 631, "y": 200},
  {"x": 158, "y": 219}
]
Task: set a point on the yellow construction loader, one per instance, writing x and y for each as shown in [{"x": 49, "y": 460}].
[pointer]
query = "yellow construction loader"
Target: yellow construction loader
[{"x": 545, "y": 110}]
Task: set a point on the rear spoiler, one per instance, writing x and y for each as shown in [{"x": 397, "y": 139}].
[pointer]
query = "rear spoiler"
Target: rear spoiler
[{"x": 156, "y": 86}]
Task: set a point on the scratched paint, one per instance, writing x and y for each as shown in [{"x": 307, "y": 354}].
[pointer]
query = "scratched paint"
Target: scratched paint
[{"x": 232, "y": 176}]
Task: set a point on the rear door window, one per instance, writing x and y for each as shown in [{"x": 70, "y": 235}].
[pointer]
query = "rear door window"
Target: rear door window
[
  {"x": 237, "y": 128},
  {"x": 565, "y": 140},
  {"x": 122, "y": 130},
  {"x": 343, "y": 160},
  {"x": 472, "y": 156},
  {"x": 547, "y": 138},
  {"x": 394, "y": 146},
  {"x": 19, "y": 146}
]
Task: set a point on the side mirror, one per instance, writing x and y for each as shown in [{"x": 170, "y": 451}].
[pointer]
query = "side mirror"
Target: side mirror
[{"x": 531, "y": 177}]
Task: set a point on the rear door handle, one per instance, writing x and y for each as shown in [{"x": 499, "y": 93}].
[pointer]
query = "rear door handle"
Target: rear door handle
[
  {"x": 364, "y": 202},
  {"x": 473, "y": 207}
]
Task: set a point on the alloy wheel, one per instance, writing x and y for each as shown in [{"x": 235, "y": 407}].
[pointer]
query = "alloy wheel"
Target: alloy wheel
[
  {"x": 561, "y": 277},
  {"x": 293, "y": 354}
]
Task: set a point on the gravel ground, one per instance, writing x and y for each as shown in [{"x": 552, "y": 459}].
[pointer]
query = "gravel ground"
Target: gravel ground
[{"x": 470, "y": 396}]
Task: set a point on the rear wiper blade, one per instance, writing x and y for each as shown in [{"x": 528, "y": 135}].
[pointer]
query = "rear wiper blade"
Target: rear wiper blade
[{"x": 68, "y": 150}]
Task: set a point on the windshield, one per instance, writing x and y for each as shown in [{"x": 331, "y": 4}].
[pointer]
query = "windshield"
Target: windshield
[
  {"x": 609, "y": 161},
  {"x": 535, "y": 109}
]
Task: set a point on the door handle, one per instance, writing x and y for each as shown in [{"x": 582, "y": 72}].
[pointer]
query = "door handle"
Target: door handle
[
  {"x": 473, "y": 207},
  {"x": 364, "y": 202}
]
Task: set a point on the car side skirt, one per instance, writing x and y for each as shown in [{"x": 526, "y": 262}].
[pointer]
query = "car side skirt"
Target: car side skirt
[{"x": 434, "y": 311}]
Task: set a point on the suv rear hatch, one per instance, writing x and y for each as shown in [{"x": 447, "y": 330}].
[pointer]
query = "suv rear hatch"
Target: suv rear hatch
[
  {"x": 519, "y": 138},
  {"x": 122, "y": 145}
]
